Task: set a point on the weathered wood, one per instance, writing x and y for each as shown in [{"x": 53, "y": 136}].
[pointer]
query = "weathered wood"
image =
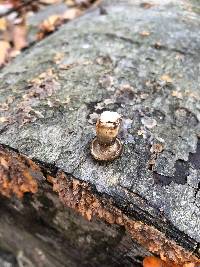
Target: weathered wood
[
  {"x": 39, "y": 231},
  {"x": 139, "y": 60}
]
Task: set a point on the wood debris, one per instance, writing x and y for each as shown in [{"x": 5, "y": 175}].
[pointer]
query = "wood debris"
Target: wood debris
[{"x": 166, "y": 78}]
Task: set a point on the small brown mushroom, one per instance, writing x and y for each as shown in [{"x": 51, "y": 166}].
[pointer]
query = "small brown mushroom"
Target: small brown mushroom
[{"x": 106, "y": 146}]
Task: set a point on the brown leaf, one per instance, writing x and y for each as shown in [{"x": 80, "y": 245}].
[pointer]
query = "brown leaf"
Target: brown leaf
[
  {"x": 71, "y": 13},
  {"x": 146, "y": 5},
  {"x": 50, "y": 24},
  {"x": 19, "y": 37},
  {"x": 54, "y": 21},
  {"x": 4, "y": 50}
]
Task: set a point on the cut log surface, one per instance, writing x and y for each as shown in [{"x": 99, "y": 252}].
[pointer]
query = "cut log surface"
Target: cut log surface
[{"x": 141, "y": 60}]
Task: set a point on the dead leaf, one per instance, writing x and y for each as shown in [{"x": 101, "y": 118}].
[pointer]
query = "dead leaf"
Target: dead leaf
[
  {"x": 177, "y": 94},
  {"x": 157, "y": 148},
  {"x": 4, "y": 163},
  {"x": 179, "y": 56},
  {"x": 166, "y": 78},
  {"x": 141, "y": 132},
  {"x": 19, "y": 37},
  {"x": 70, "y": 2},
  {"x": 3, "y": 24},
  {"x": 58, "y": 57},
  {"x": 146, "y": 5},
  {"x": 3, "y": 119},
  {"x": 64, "y": 66},
  {"x": 4, "y": 50},
  {"x": 71, "y": 13},
  {"x": 144, "y": 33},
  {"x": 157, "y": 45},
  {"x": 49, "y": 2},
  {"x": 152, "y": 261},
  {"x": 4, "y": 107},
  {"x": 50, "y": 24}
]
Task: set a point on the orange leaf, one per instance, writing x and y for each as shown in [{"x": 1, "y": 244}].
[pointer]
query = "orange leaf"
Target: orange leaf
[
  {"x": 152, "y": 262},
  {"x": 156, "y": 262},
  {"x": 50, "y": 24}
]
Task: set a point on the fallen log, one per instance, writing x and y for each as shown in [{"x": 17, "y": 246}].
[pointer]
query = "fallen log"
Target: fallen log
[{"x": 141, "y": 60}]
